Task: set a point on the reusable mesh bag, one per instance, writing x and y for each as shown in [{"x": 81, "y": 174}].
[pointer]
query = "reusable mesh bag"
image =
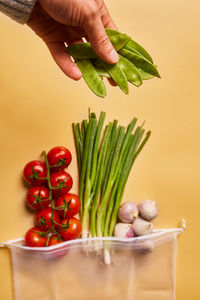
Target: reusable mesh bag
[{"x": 97, "y": 268}]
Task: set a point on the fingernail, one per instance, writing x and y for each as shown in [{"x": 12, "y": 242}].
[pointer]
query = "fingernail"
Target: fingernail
[{"x": 114, "y": 57}]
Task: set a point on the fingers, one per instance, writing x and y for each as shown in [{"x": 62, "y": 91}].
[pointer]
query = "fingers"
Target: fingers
[
  {"x": 105, "y": 16},
  {"x": 63, "y": 60},
  {"x": 98, "y": 38}
]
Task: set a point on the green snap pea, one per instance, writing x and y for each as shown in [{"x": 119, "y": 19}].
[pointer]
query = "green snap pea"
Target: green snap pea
[
  {"x": 116, "y": 74},
  {"x": 144, "y": 75},
  {"x": 91, "y": 77},
  {"x": 134, "y": 51},
  {"x": 85, "y": 50},
  {"x": 100, "y": 69},
  {"x": 130, "y": 71},
  {"x": 111, "y": 32},
  {"x": 102, "y": 72},
  {"x": 81, "y": 51},
  {"x": 131, "y": 45},
  {"x": 140, "y": 62},
  {"x": 119, "y": 40},
  {"x": 135, "y": 46},
  {"x": 135, "y": 63}
]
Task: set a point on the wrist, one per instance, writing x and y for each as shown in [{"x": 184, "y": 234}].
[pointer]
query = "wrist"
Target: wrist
[{"x": 18, "y": 10}]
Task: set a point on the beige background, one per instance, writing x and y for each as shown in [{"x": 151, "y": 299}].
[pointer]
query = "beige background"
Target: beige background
[{"x": 38, "y": 104}]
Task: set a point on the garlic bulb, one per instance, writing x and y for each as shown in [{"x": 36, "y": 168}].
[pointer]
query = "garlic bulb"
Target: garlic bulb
[
  {"x": 128, "y": 212},
  {"x": 142, "y": 227},
  {"x": 123, "y": 230},
  {"x": 144, "y": 247},
  {"x": 148, "y": 209}
]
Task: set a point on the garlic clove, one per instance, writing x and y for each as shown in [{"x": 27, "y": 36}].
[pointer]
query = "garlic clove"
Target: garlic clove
[
  {"x": 128, "y": 212},
  {"x": 123, "y": 230},
  {"x": 148, "y": 209},
  {"x": 142, "y": 227}
]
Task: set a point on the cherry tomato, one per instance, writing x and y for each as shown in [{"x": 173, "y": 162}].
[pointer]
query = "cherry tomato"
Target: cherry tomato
[
  {"x": 35, "y": 237},
  {"x": 60, "y": 156},
  {"x": 73, "y": 231},
  {"x": 70, "y": 203},
  {"x": 36, "y": 196},
  {"x": 54, "y": 240},
  {"x": 43, "y": 219},
  {"x": 34, "y": 169},
  {"x": 64, "y": 179},
  {"x": 60, "y": 251}
]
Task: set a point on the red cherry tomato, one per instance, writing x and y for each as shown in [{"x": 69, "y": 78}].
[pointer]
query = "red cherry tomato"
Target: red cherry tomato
[
  {"x": 64, "y": 179},
  {"x": 43, "y": 219},
  {"x": 60, "y": 251},
  {"x": 36, "y": 196},
  {"x": 70, "y": 203},
  {"x": 60, "y": 156},
  {"x": 54, "y": 240},
  {"x": 35, "y": 169},
  {"x": 35, "y": 237},
  {"x": 73, "y": 231}
]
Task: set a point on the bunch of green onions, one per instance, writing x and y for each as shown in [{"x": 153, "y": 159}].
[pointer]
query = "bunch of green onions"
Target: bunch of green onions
[{"x": 105, "y": 158}]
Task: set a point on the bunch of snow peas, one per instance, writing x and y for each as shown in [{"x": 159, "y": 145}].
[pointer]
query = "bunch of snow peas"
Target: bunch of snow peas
[
  {"x": 135, "y": 64},
  {"x": 105, "y": 158}
]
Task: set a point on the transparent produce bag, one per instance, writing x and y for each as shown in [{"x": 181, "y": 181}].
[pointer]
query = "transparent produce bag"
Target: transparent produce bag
[{"x": 141, "y": 268}]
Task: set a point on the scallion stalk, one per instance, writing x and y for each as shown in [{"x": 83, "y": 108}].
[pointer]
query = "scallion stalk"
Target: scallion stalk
[
  {"x": 104, "y": 161},
  {"x": 110, "y": 182},
  {"x": 133, "y": 153},
  {"x": 78, "y": 151},
  {"x": 87, "y": 187},
  {"x": 96, "y": 145},
  {"x": 100, "y": 171}
]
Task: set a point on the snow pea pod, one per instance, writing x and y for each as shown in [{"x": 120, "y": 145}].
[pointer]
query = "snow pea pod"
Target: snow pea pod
[
  {"x": 134, "y": 51},
  {"x": 131, "y": 44},
  {"x": 100, "y": 69},
  {"x": 102, "y": 72},
  {"x": 119, "y": 40},
  {"x": 81, "y": 51},
  {"x": 144, "y": 75},
  {"x": 85, "y": 50},
  {"x": 116, "y": 74},
  {"x": 111, "y": 32},
  {"x": 140, "y": 62},
  {"x": 135, "y": 46},
  {"x": 91, "y": 77},
  {"x": 130, "y": 71}
]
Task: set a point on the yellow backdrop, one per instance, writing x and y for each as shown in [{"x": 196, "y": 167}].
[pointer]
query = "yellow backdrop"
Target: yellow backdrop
[{"x": 38, "y": 104}]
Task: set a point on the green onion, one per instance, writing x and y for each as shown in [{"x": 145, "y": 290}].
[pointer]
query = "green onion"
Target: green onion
[
  {"x": 100, "y": 172},
  {"x": 87, "y": 170},
  {"x": 105, "y": 158},
  {"x": 133, "y": 153}
]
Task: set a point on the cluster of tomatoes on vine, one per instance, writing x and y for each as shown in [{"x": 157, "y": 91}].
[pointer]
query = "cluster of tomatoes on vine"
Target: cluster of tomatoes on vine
[{"x": 49, "y": 196}]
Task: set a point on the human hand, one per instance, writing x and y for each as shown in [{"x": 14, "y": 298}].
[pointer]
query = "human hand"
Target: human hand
[{"x": 61, "y": 22}]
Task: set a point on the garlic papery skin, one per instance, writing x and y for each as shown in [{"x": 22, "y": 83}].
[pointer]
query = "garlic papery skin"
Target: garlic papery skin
[
  {"x": 128, "y": 212},
  {"x": 142, "y": 227},
  {"x": 123, "y": 230},
  {"x": 148, "y": 209}
]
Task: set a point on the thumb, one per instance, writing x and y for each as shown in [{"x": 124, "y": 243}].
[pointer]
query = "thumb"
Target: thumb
[{"x": 99, "y": 40}]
